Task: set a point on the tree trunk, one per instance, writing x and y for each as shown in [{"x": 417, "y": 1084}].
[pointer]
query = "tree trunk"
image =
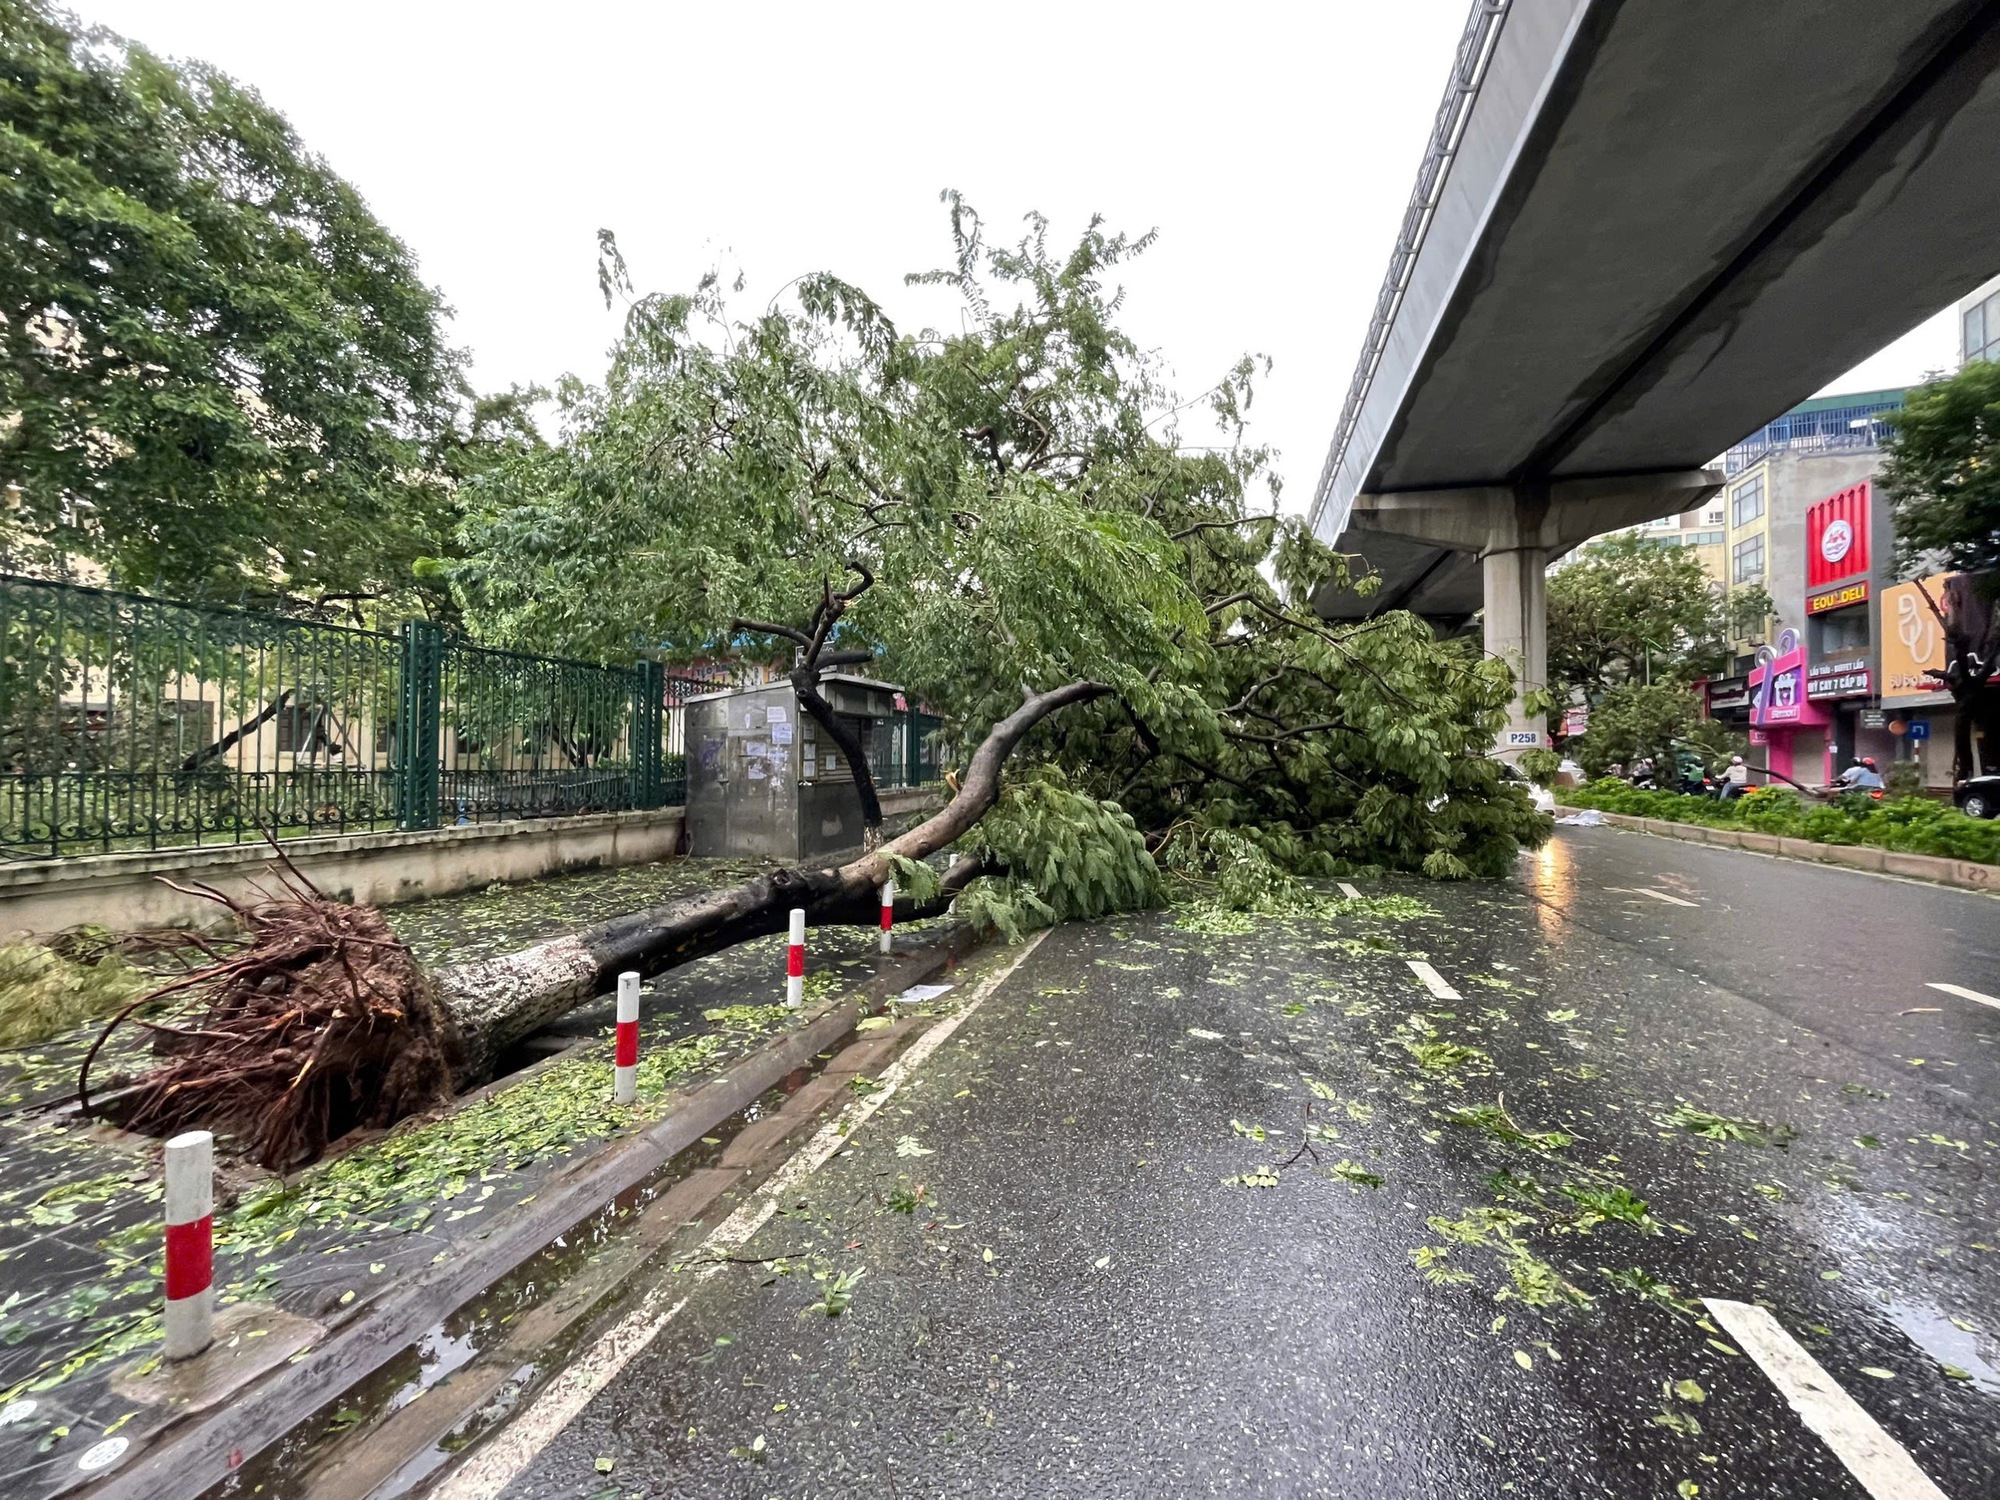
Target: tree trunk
[
  {"x": 494, "y": 1004},
  {"x": 805, "y": 682}
]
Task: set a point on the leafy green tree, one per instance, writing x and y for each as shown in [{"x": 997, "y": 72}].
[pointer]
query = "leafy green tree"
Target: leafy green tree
[
  {"x": 1941, "y": 468},
  {"x": 1660, "y": 720},
  {"x": 218, "y": 371},
  {"x": 998, "y": 513},
  {"x": 1628, "y": 609}
]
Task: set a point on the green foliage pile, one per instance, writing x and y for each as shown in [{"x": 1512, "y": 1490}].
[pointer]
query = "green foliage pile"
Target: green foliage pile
[
  {"x": 44, "y": 993},
  {"x": 1018, "y": 502},
  {"x": 1067, "y": 855},
  {"x": 221, "y": 372},
  {"x": 1910, "y": 825}
]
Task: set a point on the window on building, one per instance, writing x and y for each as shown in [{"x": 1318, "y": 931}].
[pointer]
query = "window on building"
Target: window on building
[
  {"x": 1982, "y": 330},
  {"x": 1841, "y": 632},
  {"x": 1746, "y": 560},
  {"x": 1712, "y": 516},
  {"x": 1747, "y": 501},
  {"x": 305, "y": 729},
  {"x": 1702, "y": 539}
]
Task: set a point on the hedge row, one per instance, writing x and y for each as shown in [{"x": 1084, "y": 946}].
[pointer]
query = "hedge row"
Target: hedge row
[{"x": 1912, "y": 825}]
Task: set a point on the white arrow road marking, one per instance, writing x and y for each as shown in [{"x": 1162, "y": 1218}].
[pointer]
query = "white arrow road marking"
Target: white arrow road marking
[
  {"x": 1641, "y": 890},
  {"x": 502, "y": 1459},
  {"x": 1433, "y": 981},
  {"x": 1882, "y": 1464},
  {"x": 1965, "y": 994},
  {"x": 1348, "y": 891}
]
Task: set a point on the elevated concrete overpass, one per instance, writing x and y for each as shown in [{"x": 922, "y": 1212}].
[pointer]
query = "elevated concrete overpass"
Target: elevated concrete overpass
[{"x": 1644, "y": 228}]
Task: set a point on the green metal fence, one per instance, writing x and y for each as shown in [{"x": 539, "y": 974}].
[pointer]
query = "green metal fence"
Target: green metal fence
[
  {"x": 139, "y": 723},
  {"x": 136, "y": 723}
]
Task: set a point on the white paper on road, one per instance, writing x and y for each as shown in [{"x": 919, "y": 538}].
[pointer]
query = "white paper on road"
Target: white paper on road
[
  {"x": 916, "y": 994},
  {"x": 1882, "y": 1464},
  {"x": 1349, "y": 891},
  {"x": 1590, "y": 817}
]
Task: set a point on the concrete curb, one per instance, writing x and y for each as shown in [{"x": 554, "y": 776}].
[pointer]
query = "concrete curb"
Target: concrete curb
[
  {"x": 1965, "y": 874},
  {"x": 184, "y": 1460}
]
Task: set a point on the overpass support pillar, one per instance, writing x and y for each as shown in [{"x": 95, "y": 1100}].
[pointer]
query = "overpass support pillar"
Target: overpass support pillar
[
  {"x": 1516, "y": 530},
  {"x": 1517, "y": 630}
]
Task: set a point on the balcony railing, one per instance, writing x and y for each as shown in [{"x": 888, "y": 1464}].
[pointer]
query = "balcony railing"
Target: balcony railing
[{"x": 1832, "y": 429}]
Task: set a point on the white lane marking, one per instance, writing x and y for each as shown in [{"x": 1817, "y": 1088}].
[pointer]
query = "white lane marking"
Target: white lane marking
[
  {"x": 1649, "y": 891},
  {"x": 1965, "y": 994},
  {"x": 1433, "y": 981},
  {"x": 1882, "y": 1464},
  {"x": 1348, "y": 891},
  {"x": 502, "y": 1459}
]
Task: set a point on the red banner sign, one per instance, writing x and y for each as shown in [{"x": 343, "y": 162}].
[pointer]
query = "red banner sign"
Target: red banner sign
[{"x": 1837, "y": 536}]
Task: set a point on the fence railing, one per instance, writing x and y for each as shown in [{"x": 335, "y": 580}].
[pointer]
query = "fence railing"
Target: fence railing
[
  {"x": 1827, "y": 430},
  {"x": 136, "y": 723}
]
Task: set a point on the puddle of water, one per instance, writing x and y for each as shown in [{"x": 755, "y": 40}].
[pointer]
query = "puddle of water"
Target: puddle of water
[{"x": 1932, "y": 1331}]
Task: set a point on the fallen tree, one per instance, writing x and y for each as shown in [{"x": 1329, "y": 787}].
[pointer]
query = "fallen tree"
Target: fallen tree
[{"x": 1004, "y": 518}]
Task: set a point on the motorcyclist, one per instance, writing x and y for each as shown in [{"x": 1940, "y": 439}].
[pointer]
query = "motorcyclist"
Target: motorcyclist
[{"x": 1735, "y": 780}]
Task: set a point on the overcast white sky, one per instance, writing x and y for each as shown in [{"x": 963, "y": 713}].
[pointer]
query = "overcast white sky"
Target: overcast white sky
[{"x": 1273, "y": 146}]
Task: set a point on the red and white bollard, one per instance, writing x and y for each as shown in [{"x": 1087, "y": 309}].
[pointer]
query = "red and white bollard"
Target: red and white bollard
[
  {"x": 888, "y": 911},
  {"x": 190, "y": 1244},
  {"x": 625, "y": 1069},
  {"x": 795, "y": 961}
]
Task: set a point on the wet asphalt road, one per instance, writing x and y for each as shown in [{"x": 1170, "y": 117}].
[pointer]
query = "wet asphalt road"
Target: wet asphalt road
[{"x": 1198, "y": 1213}]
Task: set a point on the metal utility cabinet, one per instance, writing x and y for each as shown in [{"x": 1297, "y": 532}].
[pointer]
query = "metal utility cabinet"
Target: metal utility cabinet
[{"x": 763, "y": 779}]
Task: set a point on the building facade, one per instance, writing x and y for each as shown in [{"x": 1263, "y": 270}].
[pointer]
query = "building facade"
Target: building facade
[
  {"x": 1805, "y": 522},
  {"x": 1979, "y": 324}
]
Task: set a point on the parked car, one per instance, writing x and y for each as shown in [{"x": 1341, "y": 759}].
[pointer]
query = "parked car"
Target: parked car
[{"x": 1979, "y": 797}]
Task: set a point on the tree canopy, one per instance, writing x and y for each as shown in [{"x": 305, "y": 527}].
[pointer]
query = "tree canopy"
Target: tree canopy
[
  {"x": 1627, "y": 609},
  {"x": 220, "y": 369},
  {"x": 1005, "y": 506},
  {"x": 1941, "y": 467}
]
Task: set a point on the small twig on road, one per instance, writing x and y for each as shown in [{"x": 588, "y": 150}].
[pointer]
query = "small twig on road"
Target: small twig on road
[
  {"x": 1305, "y": 1143},
  {"x": 746, "y": 1260}
]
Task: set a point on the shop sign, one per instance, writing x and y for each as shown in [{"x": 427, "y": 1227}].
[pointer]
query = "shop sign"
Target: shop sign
[
  {"x": 1913, "y": 640},
  {"x": 1778, "y": 683},
  {"x": 1837, "y": 538},
  {"x": 1840, "y": 598},
  {"x": 1874, "y": 718},
  {"x": 1840, "y": 679},
  {"x": 1576, "y": 720},
  {"x": 1728, "y": 692}
]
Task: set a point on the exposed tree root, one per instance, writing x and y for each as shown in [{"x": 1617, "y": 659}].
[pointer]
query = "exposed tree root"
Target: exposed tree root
[{"x": 319, "y": 1022}]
